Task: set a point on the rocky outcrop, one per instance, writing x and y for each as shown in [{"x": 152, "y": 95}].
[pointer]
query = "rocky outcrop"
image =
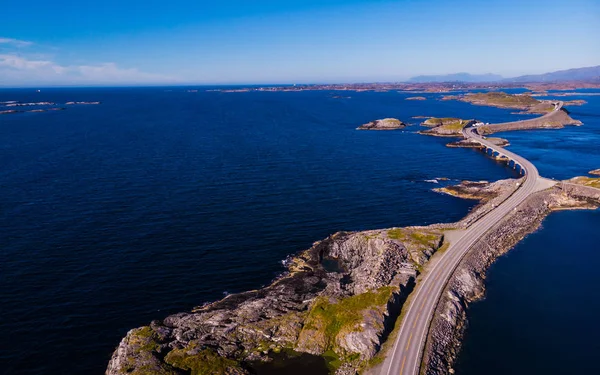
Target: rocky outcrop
[
  {"x": 577, "y": 102},
  {"x": 416, "y": 98},
  {"x": 480, "y": 190},
  {"x": 595, "y": 172},
  {"x": 469, "y": 143},
  {"x": 20, "y": 104},
  {"x": 445, "y": 127},
  {"x": 384, "y": 124},
  {"x": 342, "y": 296},
  {"x": 593, "y": 182},
  {"x": 467, "y": 282}
]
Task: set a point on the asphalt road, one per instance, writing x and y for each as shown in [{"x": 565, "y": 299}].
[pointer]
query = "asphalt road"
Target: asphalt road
[{"x": 405, "y": 357}]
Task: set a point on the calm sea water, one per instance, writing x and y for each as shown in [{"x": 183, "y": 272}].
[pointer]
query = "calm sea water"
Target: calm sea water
[
  {"x": 160, "y": 199},
  {"x": 540, "y": 311}
]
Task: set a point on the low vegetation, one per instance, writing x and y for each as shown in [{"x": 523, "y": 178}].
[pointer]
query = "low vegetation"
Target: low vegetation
[
  {"x": 329, "y": 318},
  {"x": 445, "y": 126},
  {"x": 587, "y": 181},
  {"x": 501, "y": 99},
  {"x": 198, "y": 361},
  {"x": 420, "y": 243}
]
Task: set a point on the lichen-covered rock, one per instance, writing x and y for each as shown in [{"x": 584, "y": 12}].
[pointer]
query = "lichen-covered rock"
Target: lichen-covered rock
[{"x": 138, "y": 354}]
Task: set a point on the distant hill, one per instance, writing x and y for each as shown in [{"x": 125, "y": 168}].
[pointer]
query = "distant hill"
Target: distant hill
[
  {"x": 457, "y": 77},
  {"x": 578, "y": 74}
]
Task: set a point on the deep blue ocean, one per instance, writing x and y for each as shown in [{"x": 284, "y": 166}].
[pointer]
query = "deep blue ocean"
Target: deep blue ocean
[{"x": 160, "y": 199}]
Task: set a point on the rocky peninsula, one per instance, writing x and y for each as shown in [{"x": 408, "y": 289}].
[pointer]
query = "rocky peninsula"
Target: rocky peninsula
[
  {"x": 339, "y": 299},
  {"x": 383, "y": 124}
]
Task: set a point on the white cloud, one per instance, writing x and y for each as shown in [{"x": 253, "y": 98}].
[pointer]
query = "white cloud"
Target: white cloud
[
  {"x": 15, "y": 42},
  {"x": 19, "y": 70}
]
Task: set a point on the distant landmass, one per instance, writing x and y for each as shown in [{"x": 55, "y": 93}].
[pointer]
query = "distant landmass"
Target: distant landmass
[
  {"x": 457, "y": 77},
  {"x": 578, "y": 74}
]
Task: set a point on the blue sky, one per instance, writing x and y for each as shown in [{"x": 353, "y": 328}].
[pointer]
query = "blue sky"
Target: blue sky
[{"x": 117, "y": 42}]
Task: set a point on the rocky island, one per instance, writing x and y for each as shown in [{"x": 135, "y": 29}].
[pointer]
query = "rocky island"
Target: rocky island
[
  {"x": 416, "y": 98},
  {"x": 46, "y": 106},
  {"x": 524, "y": 102},
  {"x": 383, "y": 124},
  {"x": 445, "y": 127}
]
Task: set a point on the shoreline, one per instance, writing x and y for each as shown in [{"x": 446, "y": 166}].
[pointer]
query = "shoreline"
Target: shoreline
[
  {"x": 343, "y": 298},
  {"x": 444, "y": 338},
  {"x": 467, "y": 284}
]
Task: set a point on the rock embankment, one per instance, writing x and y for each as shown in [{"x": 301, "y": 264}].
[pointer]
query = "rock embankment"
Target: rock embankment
[
  {"x": 341, "y": 296},
  {"x": 383, "y": 124},
  {"x": 467, "y": 282}
]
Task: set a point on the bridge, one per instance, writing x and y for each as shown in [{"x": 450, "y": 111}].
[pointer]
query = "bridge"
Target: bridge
[{"x": 406, "y": 354}]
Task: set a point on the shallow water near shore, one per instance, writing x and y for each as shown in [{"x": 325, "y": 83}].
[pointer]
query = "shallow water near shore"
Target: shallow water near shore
[{"x": 158, "y": 200}]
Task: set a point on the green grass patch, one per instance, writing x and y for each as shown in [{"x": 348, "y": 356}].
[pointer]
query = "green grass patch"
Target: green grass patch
[
  {"x": 345, "y": 314},
  {"x": 587, "y": 181},
  {"x": 144, "y": 339},
  {"x": 202, "y": 362},
  {"x": 332, "y": 360}
]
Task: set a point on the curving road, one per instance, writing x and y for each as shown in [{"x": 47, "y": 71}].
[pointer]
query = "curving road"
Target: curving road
[{"x": 405, "y": 357}]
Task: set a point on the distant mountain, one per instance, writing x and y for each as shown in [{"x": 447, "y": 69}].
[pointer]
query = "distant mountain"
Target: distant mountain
[
  {"x": 578, "y": 74},
  {"x": 457, "y": 77}
]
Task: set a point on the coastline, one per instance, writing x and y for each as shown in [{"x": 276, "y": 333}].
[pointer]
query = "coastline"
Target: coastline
[
  {"x": 168, "y": 349},
  {"x": 447, "y": 326},
  {"x": 467, "y": 284}
]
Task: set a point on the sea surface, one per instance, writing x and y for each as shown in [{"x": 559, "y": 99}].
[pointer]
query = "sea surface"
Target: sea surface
[{"x": 161, "y": 199}]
